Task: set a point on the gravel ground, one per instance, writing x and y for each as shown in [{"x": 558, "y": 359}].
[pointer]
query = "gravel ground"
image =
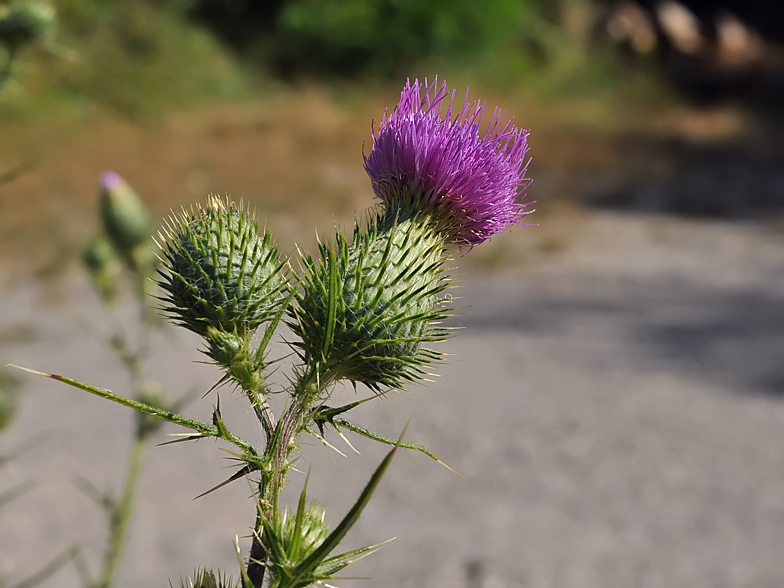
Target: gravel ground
[{"x": 614, "y": 405}]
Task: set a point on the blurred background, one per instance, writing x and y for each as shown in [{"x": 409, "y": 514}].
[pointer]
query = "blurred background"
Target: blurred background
[{"x": 615, "y": 400}]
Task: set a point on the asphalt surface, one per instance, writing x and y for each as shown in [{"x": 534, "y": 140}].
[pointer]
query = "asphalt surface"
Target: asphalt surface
[{"x": 615, "y": 404}]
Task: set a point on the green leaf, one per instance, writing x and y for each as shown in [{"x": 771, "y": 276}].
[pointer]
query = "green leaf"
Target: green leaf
[
  {"x": 203, "y": 428},
  {"x": 316, "y": 558}
]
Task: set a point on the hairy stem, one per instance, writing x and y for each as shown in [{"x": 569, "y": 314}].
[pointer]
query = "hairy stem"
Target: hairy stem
[
  {"x": 279, "y": 449},
  {"x": 263, "y": 412}
]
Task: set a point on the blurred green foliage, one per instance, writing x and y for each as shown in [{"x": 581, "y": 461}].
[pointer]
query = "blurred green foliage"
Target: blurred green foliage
[
  {"x": 386, "y": 36},
  {"x": 23, "y": 22},
  {"x": 144, "y": 56},
  {"x": 552, "y": 47},
  {"x": 133, "y": 55},
  {"x": 381, "y": 37}
]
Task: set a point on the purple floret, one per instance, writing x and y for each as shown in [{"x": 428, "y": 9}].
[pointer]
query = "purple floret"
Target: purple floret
[
  {"x": 445, "y": 165},
  {"x": 109, "y": 180}
]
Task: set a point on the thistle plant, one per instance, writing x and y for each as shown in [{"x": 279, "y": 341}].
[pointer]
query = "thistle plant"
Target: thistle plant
[{"x": 365, "y": 309}]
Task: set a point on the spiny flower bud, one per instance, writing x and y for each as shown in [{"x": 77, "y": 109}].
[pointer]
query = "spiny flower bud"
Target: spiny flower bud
[
  {"x": 307, "y": 535},
  {"x": 221, "y": 272},
  {"x": 292, "y": 539},
  {"x": 204, "y": 578},
  {"x": 125, "y": 217},
  {"x": 368, "y": 307}
]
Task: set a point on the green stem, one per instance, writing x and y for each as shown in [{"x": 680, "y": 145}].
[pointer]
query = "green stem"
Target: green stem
[
  {"x": 263, "y": 412},
  {"x": 278, "y": 450},
  {"x": 121, "y": 511},
  {"x": 121, "y": 514},
  {"x": 258, "y": 550}
]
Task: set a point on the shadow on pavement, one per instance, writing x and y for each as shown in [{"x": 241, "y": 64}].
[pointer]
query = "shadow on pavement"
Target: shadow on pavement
[{"x": 732, "y": 338}]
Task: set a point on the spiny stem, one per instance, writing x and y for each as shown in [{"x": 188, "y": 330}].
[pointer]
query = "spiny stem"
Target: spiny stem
[
  {"x": 263, "y": 412},
  {"x": 279, "y": 449}
]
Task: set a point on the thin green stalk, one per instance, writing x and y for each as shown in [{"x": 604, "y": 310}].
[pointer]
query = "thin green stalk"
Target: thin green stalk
[
  {"x": 121, "y": 514},
  {"x": 21, "y": 169},
  {"x": 50, "y": 569}
]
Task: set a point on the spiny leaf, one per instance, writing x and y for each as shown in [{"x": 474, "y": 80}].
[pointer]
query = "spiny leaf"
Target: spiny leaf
[
  {"x": 386, "y": 440},
  {"x": 203, "y": 428},
  {"x": 236, "y": 476},
  {"x": 334, "y": 538}
]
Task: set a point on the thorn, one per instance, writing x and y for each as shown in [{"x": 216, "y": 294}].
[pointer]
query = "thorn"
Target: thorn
[
  {"x": 450, "y": 469},
  {"x": 342, "y": 436},
  {"x": 328, "y": 444},
  {"x": 36, "y": 372},
  {"x": 400, "y": 439}
]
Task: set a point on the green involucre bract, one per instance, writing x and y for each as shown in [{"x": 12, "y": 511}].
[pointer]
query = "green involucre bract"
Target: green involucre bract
[
  {"x": 367, "y": 307},
  {"x": 291, "y": 540},
  {"x": 303, "y": 533},
  {"x": 204, "y": 578},
  {"x": 220, "y": 272}
]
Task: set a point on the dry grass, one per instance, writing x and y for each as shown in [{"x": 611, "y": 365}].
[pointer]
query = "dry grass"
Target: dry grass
[{"x": 296, "y": 158}]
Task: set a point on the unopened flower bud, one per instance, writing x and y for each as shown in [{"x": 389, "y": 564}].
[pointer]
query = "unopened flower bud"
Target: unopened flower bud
[
  {"x": 98, "y": 254},
  {"x": 312, "y": 531},
  {"x": 125, "y": 217},
  {"x": 292, "y": 539},
  {"x": 221, "y": 272},
  {"x": 383, "y": 289}
]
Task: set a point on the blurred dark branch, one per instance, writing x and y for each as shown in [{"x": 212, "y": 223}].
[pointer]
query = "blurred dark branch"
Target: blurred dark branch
[{"x": 19, "y": 170}]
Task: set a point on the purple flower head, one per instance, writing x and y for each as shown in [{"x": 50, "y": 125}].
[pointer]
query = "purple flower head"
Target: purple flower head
[{"x": 424, "y": 158}]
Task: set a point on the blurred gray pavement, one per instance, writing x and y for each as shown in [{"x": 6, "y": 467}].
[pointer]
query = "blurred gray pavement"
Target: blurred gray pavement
[{"x": 615, "y": 404}]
